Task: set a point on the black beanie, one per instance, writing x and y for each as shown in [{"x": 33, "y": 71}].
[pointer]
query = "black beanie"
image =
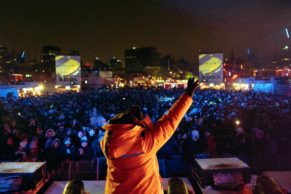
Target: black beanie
[
  {"x": 135, "y": 111},
  {"x": 129, "y": 116}
]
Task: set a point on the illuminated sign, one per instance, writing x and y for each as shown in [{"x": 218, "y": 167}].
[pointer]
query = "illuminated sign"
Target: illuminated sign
[
  {"x": 210, "y": 68},
  {"x": 68, "y": 70}
]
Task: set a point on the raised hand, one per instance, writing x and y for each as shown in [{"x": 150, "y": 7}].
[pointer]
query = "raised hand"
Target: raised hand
[{"x": 191, "y": 86}]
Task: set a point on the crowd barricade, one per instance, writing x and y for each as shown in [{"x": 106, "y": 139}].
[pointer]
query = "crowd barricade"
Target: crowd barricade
[
  {"x": 83, "y": 170},
  {"x": 171, "y": 166},
  {"x": 162, "y": 166},
  {"x": 175, "y": 166},
  {"x": 265, "y": 162},
  {"x": 168, "y": 167},
  {"x": 100, "y": 166},
  {"x": 66, "y": 170},
  {"x": 285, "y": 162}
]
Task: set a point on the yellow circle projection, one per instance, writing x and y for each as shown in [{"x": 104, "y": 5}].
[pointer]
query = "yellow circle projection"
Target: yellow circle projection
[
  {"x": 70, "y": 67},
  {"x": 210, "y": 66}
]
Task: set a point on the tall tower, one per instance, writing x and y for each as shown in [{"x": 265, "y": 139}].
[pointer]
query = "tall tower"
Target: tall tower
[
  {"x": 137, "y": 60},
  {"x": 3, "y": 52},
  {"x": 48, "y": 57}
]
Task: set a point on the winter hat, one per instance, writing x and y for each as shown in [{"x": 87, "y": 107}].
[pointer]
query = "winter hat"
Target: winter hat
[
  {"x": 67, "y": 140},
  {"x": 55, "y": 141},
  {"x": 195, "y": 134},
  {"x": 130, "y": 116},
  {"x": 50, "y": 130},
  {"x": 91, "y": 132},
  {"x": 23, "y": 144},
  {"x": 240, "y": 130},
  {"x": 80, "y": 134},
  {"x": 84, "y": 139}
]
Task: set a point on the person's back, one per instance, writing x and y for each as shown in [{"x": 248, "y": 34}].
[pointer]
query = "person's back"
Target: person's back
[{"x": 131, "y": 143}]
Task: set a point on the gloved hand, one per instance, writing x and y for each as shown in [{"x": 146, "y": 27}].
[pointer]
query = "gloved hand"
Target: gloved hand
[{"x": 191, "y": 86}]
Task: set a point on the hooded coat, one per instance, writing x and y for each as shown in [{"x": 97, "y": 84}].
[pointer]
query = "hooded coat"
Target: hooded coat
[{"x": 131, "y": 150}]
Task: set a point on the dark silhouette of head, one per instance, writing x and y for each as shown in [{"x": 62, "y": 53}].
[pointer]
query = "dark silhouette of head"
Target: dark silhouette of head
[
  {"x": 132, "y": 115},
  {"x": 177, "y": 186},
  {"x": 267, "y": 185},
  {"x": 74, "y": 187}
]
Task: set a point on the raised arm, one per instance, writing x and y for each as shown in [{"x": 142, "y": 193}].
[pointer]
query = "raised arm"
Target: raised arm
[{"x": 166, "y": 126}]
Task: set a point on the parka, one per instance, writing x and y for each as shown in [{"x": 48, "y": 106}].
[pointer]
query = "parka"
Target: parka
[{"x": 130, "y": 151}]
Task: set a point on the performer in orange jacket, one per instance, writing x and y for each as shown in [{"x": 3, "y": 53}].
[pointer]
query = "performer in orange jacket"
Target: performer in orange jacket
[{"x": 130, "y": 145}]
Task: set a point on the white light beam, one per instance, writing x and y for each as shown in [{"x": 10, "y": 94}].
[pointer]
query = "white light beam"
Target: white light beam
[{"x": 287, "y": 32}]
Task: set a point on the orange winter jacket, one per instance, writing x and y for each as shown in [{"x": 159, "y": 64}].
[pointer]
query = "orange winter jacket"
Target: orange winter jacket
[{"x": 131, "y": 150}]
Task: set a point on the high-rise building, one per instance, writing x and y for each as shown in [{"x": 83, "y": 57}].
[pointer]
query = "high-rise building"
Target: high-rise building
[
  {"x": 285, "y": 56},
  {"x": 115, "y": 64},
  {"x": 3, "y": 52},
  {"x": 48, "y": 57},
  {"x": 138, "y": 60},
  {"x": 167, "y": 62},
  {"x": 99, "y": 65}
]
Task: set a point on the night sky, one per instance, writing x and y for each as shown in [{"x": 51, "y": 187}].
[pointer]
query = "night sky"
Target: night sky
[{"x": 177, "y": 27}]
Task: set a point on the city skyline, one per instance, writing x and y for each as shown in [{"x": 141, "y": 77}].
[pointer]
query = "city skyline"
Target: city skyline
[{"x": 106, "y": 29}]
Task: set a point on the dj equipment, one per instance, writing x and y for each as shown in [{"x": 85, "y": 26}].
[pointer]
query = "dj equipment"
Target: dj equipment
[
  {"x": 28, "y": 175},
  {"x": 221, "y": 173}
]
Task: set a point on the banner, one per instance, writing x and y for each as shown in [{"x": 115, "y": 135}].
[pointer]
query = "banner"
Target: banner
[
  {"x": 68, "y": 70},
  {"x": 211, "y": 68}
]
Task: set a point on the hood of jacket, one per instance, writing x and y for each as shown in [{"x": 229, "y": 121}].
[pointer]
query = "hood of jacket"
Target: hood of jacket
[{"x": 124, "y": 140}]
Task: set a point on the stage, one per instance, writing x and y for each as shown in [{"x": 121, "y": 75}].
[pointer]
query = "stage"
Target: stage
[{"x": 97, "y": 187}]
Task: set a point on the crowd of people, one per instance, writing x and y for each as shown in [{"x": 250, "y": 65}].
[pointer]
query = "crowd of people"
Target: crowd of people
[{"x": 67, "y": 126}]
